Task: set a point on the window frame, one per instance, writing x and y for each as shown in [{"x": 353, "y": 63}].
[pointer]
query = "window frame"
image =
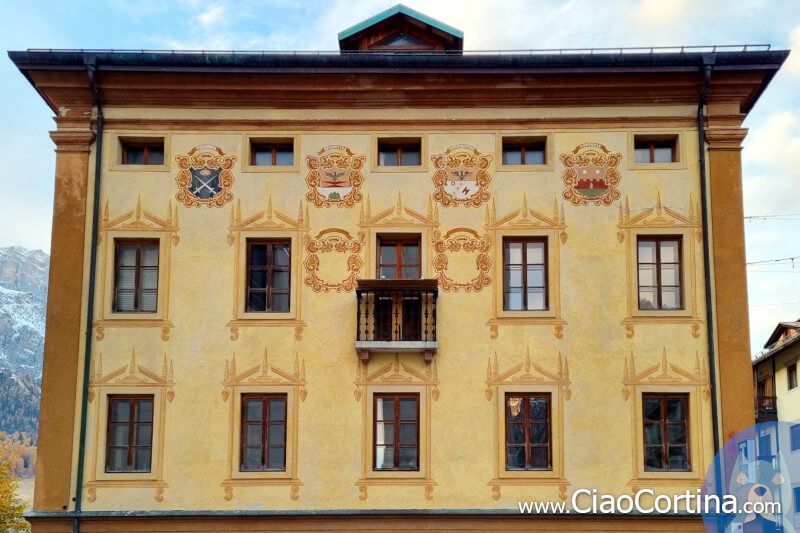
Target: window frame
[
  {"x": 523, "y": 146},
  {"x": 146, "y": 145},
  {"x": 265, "y": 423},
  {"x": 526, "y": 398},
  {"x": 132, "y": 424},
  {"x": 791, "y": 376},
  {"x": 270, "y": 269},
  {"x": 399, "y": 144},
  {"x": 138, "y": 267},
  {"x": 664, "y": 428},
  {"x": 658, "y": 239},
  {"x": 396, "y": 421},
  {"x": 273, "y": 145},
  {"x": 656, "y": 137},
  {"x": 524, "y": 240},
  {"x": 509, "y": 139},
  {"x": 398, "y": 240}
]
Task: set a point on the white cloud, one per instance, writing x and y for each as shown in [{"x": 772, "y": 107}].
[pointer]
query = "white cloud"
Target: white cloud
[
  {"x": 792, "y": 64},
  {"x": 659, "y": 12},
  {"x": 212, "y": 16}
]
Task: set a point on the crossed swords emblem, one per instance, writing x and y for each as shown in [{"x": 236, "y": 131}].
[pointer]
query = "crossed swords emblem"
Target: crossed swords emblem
[{"x": 204, "y": 179}]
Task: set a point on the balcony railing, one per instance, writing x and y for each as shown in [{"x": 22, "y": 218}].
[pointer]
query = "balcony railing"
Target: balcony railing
[
  {"x": 396, "y": 315},
  {"x": 766, "y": 408}
]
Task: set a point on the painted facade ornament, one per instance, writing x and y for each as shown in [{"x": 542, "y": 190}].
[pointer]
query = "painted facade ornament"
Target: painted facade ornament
[
  {"x": 591, "y": 175},
  {"x": 462, "y": 176},
  {"x": 460, "y": 241},
  {"x": 334, "y": 177},
  {"x": 205, "y": 177},
  {"x": 333, "y": 240}
]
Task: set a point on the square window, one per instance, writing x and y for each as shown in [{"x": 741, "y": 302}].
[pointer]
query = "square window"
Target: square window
[
  {"x": 396, "y": 432},
  {"x": 524, "y": 150},
  {"x": 272, "y": 152},
  {"x": 401, "y": 152},
  {"x": 142, "y": 151},
  {"x": 655, "y": 149}
]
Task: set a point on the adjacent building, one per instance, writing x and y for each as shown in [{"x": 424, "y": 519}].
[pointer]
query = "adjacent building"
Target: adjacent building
[{"x": 397, "y": 286}]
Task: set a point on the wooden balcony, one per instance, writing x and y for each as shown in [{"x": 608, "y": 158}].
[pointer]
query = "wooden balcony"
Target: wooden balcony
[{"x": 766, "y": 408}]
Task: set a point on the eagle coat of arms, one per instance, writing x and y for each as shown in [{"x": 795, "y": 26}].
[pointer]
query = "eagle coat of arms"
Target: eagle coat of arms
[
  {"x": 591, "y": 175},
  {"x": 461, "y": 176},
  {"x": 205, "y": 177},
  {"x": 334, "y": 177}
]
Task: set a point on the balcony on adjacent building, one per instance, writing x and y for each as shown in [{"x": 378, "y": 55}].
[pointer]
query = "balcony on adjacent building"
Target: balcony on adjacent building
[
  {"x": 396, "y": 316},
  {"x": 766, "y": 408}
]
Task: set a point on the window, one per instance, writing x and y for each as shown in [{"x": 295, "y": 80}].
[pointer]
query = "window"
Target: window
[
  {"x": 659, "y": 262},
  {"x": 276, "y": 152},
  {"x": 523, "y": 151},
  {"x": 398, "y": 257},
  {"x": 795, "y": 437},
  {"x": 263, "y": 432},
  {"x": 135, "y": 276},
  {"x": 528, "y": 441},
  {"x": 399, "y": 152},
  {"x": 764, "y": 447},
  {"x": 144, "y": 152},
  {"x": 791, "y": 373},
  {"x": 268, "y": 275},
  {"x": 396, "y": 432},
  {"x": 525, "y": 274},
  {"x": 655, "y": 149},
  {"x": 796, "y": 491},
  {"x": 666, "y": 439},
  {"x": 129, "y": 441}
]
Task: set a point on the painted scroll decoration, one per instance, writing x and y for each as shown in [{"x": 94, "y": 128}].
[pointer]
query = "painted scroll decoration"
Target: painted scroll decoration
[
  {"x": 591, "y": 175},
  {"x": 205, "y": 177},
  {"x": 460, "y": 242},
  {"x": 333, "y": 240},
  {"x": 462, "y": 176},
  {"x": 334, "y": 177}
]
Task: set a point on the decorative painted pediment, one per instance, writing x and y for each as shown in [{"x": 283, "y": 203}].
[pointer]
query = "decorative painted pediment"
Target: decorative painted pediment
[
  {"x": 399, "y": 215},
  {"x": 396, "y": 373},
  {"x": 664, "y": 373},
  {"x": 528, "y": 373},
  {"x": 265, "y": 374},
  {"x": 132, "y": 375},
  {"x": 139, "y": 219},
  {"x": 525, "y": 218},
  {"x": 267, "y": 219},
  {"x": 658, "y": 216}
]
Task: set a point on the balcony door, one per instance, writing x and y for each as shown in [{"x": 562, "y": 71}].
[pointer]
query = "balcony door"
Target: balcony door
[
  {"x": 765, "y": 387},
  {"x": 398, "y": 314}
]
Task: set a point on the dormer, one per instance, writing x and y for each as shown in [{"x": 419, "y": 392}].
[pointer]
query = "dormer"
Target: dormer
[{"x": 401, "y": 29}]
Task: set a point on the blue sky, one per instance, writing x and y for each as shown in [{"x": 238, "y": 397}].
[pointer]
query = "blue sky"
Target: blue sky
[{"x": 771, "y": 157}]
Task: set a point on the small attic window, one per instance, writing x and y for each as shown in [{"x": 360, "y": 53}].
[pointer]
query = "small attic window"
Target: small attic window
[{"x": 403, "y": 41}]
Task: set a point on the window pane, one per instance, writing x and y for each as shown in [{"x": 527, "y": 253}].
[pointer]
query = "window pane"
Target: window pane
[
  {"x": 281, "y": 252},
  {"x": 514, "y": 276},
  {"x": 258, "y": 279},
  {"x": 411, "y": 157},
  {"x": 120, "y": 433},
  {"x": 258, "y": 254},
  {"x": 677, "y": 458},
  {"x": 257, "y": 301},
  {"x": 642, "y": 155},
  {"x": 120, "y": 410},
  {"x": 252, "y": 459},
  {"x": 126, "y": 255},
  {"x": 647, "y": 252},
  {"x": 514, "y": 409},
  {"x": 253, "y": 409},
  {"x": 516, "y": 433},
  {"x": 117, "y": 459},
  {"x": 652, "y": 433},
  {"x": 276, "y": 458},
  {"x": 410, "y": 272},
  {"x": 513, "y": 253},
  {"x": 252, "y": 434},
  {"x": 285, "y": 156},
  {"x": 410, "y": 254},
  {"x": 149, "y": 278},
  {"x": 647, "y": 299},
  {"x": 536, "y": 299},
  {"x": 514, "y": 299},
  {"x": 538, "y": 434},
  {"x": 652, "y": 457},
  {"x": 277, "y": 409},
  {"x": 126, "y": 278},
  {"x": 144, "y": 410},
  {"x": 538, "y": 408},
  {"x": 262, "y": 157},
  {"x": 408, "y": 408},
  {"x": 388, "y": 272},
  {"x": 144, "y": 435},
  {"x": 155, "y": 155},
  {"x": 677, "y": 433},
  {"x": 149, "y": 301},
  {"x": 534, "y": 156},
  {"x": 669, "y": 251},
  {"x": 149, "y": 255},
  {"x": 647, "y": 275},
  {"x": 125, "y": 301},
  {"x": 280, "y": 302},
  {"x": 384, "y": 433},
  {"x": 676, "y": 409},
  {"x": 385, "y": 409},
  {"x": 652, "y": 408},
  {"x": 515, "y": 458},
  {"x": 663, "y": 154},
  {"x": 535, "y": 253},
  {"x": 384, "y": 456},
  {"x": 670, "y": 298},
  {"x": 512, "y": 156},
  {"x": 142, "y": 459},
  {"x": 280, "y": 280},
  {"x": 408, "y": 457},
  {"x": 536, "y": 276},
  {"x": 539, "y": 457},
  {"x": 387, "y": 157},
  {"x": 388, "y": 254},
  {"x": 134, "y": 155},
  {"x": 277, "y": 434},
  {"x": 408, "y": 433}
]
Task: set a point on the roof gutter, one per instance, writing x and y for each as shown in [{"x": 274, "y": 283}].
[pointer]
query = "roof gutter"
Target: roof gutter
[{"x": 90, "y": 62}]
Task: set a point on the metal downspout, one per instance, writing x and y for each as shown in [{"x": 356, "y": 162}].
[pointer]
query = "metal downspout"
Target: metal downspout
[
  {"x": 91, "y": 67},
  {"x": 708, "y": 62}
]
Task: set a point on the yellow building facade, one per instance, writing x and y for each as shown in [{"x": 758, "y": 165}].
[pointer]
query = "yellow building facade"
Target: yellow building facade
[{"x": 257, "y": 239}]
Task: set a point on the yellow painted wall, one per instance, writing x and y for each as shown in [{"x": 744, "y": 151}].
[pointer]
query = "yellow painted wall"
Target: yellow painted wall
[{"x": 601, "y": 434}]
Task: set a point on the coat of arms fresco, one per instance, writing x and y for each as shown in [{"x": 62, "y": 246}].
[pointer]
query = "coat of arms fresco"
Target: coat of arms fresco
[
  {"x": 205, "y": 177},
  {"x": 334, "y": 177},
  {"x": 591, "y": 175},
  {"x": 461, "y": 176}
]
